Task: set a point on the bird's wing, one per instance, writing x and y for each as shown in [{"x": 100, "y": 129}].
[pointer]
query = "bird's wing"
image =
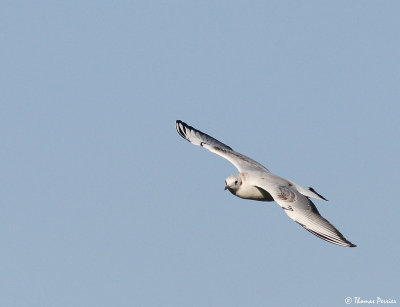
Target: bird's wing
[
  {"x": 302, "y": 210},
  {"x": 196, "y": 137}
]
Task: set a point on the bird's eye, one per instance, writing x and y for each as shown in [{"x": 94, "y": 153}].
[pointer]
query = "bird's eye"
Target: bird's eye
[{"x": 236, "y": 182}]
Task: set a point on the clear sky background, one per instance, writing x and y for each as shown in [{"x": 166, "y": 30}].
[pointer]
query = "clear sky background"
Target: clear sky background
[{"x": 104, "y": 204}]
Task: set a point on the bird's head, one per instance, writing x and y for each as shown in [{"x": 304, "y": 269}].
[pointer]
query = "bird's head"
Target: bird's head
[{"x": 233, "y": 183}]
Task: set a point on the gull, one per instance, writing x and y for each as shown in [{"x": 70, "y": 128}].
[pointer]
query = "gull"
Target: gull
[{"x": 256, "y": 182}]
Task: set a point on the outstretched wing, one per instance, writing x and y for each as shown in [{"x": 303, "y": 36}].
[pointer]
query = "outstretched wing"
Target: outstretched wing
[
  {"x": 301, "y": 209},
  {"x": 196, "y": 137}
]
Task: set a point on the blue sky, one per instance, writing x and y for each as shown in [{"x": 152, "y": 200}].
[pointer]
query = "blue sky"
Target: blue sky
[{"x": 103, "y": 204}]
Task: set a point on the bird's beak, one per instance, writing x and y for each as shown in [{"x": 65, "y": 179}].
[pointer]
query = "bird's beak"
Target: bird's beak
[{"x": 227, "y": 187}]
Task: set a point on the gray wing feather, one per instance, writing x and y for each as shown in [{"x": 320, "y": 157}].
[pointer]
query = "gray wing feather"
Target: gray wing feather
[
  {"x": 302, "y": 210},
  {"x": 196, "y": 137}
]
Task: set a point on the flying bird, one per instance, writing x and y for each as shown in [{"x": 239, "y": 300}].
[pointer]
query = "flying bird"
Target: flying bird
[{"x": 256, "y": 182}]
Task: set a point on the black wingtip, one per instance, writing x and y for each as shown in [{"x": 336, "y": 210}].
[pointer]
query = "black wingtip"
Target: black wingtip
[
  {"x": 187, "y": 132},
  {"x": 342, "y": 241},
  {"x": 181, "y": 128},
  {"x": 179, "y": 123},
  {"x": 312, "y": 190}
]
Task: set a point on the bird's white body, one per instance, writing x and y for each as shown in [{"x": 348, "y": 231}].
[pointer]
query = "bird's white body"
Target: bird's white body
[
  {"x": 244, "y": 190},
  {"x": 256, "y": 182}
]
